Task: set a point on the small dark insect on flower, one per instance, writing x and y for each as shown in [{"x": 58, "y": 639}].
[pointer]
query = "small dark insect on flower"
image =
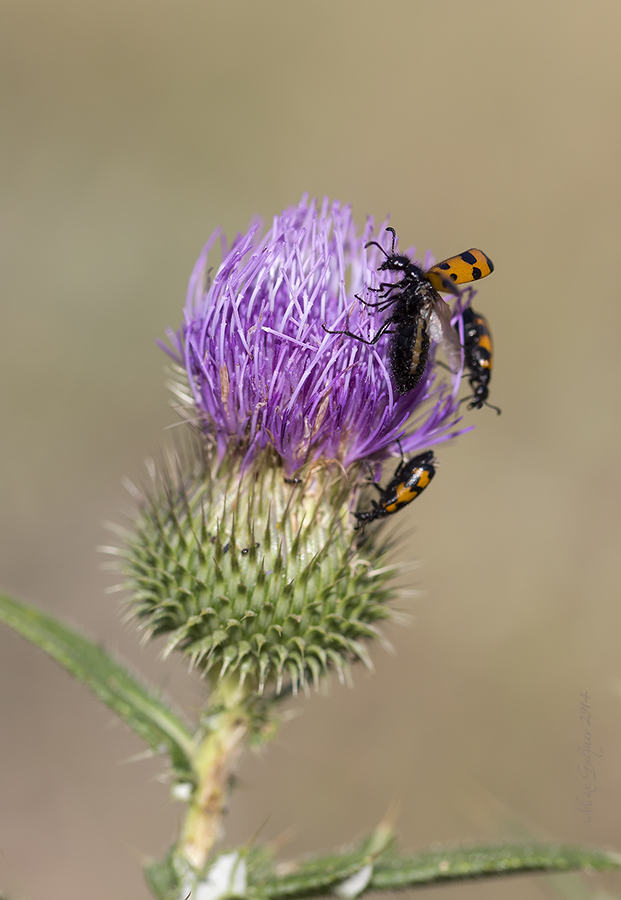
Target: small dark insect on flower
[
  {"x": 418, "y": 313},
  {"x": 479, "y": 357},
  {"x": 410, "y": 479}
]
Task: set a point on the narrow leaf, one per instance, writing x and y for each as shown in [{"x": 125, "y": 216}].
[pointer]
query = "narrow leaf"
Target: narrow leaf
[
  {"x": 138, "y": 705},
  {"x": 317, "y": 876},
  {"x": 476, "y": 862},
  {"x": 391, "y": 872}
]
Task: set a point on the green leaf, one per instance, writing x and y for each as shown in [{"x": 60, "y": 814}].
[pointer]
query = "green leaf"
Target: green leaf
[
  {"x": 391, "y": 872},
  {"x": 138, "y": 705},
  {"x": 162, "y": 878},
  {"x": 477, "y": 862},
  {"x": 316, "y": 876}
]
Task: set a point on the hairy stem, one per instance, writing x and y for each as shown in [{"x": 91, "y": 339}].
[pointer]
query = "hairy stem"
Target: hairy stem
[{"x": 229, "y": 723}]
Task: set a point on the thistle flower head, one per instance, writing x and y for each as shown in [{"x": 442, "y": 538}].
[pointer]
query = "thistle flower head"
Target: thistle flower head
[
  {"x": 241, "y": 569},
  {"x": 262, "y": 370}
]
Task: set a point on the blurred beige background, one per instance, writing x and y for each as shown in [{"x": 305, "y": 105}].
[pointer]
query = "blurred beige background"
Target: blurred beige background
[{"x": 130, "y": 129}]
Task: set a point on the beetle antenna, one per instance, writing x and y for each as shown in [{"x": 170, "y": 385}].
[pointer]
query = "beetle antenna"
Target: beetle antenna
[
  {"x": 375, "y": 244},
  {"x": 485, "y": 403},
  {"x": 394, "y": 239},
  {"x": 392, "y": 247},
  {"x": 400, "y": 451}
]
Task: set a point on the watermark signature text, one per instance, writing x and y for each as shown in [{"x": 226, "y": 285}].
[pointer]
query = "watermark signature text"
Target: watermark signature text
[{"x": 586, "y": 769}]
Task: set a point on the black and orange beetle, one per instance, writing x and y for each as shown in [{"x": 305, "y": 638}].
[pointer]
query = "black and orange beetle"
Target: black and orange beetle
[
  {"x": 478, "y": 357},
  {"x": 419, "y": 315},
  {"x": 410, "y": 479}
]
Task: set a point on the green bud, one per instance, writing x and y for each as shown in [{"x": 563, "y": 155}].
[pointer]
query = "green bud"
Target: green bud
[{"x": 251, "y": 576}]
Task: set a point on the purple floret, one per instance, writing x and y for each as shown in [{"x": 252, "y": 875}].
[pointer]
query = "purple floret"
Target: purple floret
[{"x": 262, "y": 370}]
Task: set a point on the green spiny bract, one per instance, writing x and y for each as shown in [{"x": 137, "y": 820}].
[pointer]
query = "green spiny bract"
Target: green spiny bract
[{"x": 251, "y": 575}]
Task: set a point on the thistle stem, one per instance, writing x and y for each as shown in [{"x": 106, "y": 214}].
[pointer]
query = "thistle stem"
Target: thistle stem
[{"x": 229, "y": 721}]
